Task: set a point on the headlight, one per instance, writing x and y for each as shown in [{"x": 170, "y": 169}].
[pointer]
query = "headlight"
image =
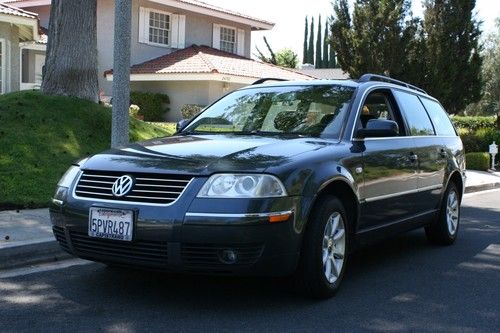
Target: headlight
[
  {"x": 242, "y": 186},
  {"x": 69, "y": 176},
  {"x": 64, "y": 184}
]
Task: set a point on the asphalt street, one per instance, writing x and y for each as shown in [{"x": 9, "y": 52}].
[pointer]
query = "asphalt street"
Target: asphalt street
[{"x": 403, "y": 284}]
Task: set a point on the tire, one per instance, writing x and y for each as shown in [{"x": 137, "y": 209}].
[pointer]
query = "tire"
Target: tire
[
  {"x": 324, "y": 251},
  {"x": 444, "y": 229}
]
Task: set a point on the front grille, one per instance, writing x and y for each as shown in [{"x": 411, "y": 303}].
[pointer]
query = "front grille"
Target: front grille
[
  {"x": 207, "y": 257},
  {"x": 147, "y": 188},
  {"x": 147, "y": 252},
  {"x": 61, "y": 237}
]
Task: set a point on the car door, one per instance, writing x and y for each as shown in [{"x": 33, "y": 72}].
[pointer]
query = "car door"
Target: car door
[
  {"x": 428, "y": 148},
  {"x": 389, "y": 188}
]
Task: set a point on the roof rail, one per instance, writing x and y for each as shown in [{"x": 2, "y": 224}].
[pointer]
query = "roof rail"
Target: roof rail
[
  {"x": 375, "y": 77},
  {"x": 259, "y": 81}
]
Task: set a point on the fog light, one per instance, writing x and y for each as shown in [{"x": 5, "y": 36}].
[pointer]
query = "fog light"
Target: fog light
[{"x": 228, "y": 256}]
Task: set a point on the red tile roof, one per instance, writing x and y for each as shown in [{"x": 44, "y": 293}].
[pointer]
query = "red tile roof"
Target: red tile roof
[
  {"x": 6, "y": 9},
  {"x": 203, "y": 60}
]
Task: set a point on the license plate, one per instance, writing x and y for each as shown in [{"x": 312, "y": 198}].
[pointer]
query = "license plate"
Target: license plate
[{"x": 109, "y": 223}]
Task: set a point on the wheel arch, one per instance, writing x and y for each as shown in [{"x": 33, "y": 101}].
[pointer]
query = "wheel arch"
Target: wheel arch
[
  {"x": 344, "y": 191},
  {"x": 456, "y": 178}
]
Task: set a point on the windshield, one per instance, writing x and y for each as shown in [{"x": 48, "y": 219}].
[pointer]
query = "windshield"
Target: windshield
[{"x": 306, "y": 110}]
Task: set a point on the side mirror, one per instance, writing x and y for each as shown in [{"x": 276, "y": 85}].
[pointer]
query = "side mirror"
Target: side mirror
[
  {"x": 376, "y": 128},
  {"x": 181, "y": 124}
]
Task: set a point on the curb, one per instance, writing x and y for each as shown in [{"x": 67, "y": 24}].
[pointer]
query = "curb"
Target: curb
[
  {"x": 482, "y": 187},
  {"x": 27, "y": 253}
]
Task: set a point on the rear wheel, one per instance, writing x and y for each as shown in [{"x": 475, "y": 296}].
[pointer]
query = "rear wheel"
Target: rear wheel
[
  {"x": 443, "y": 230},
  {"x": 325, "y": 249}
]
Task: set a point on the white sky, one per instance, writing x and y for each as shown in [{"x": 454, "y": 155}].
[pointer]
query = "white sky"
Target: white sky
[{"x": 288, "y": 15}]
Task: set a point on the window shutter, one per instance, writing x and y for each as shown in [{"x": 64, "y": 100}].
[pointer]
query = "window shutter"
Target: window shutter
[
  {"x": 240, "y": 49},
  {"x": 216, "y": 37},
  {"x": 182, "y": 31},
  {"x": 143, "y": 25},
  {"x": 174, "y": 31}
]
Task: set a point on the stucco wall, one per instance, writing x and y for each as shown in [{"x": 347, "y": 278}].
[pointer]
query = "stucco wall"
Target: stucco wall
[
  {"x": 10, "y": 33},
  {"x": 198, "y": 31},
  {"x": 187, "y": 92}
]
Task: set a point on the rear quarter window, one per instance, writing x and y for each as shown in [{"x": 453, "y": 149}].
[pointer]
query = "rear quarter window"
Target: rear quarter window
[
  {"x": 439, "y": 117},
  {"x": 416, "y": 117}
]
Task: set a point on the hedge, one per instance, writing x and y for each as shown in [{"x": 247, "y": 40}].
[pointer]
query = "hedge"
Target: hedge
[
  {"x": 152, "y": 105},
  {"x": 477, "y": 161},
  {"x": 474, "y": 123}
]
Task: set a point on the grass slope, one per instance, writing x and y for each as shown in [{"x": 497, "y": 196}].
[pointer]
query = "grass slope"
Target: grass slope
[{"x": 40, "y": 136}]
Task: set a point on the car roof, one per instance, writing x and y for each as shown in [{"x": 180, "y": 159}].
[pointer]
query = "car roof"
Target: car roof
[{"x": 348, "y": 83}]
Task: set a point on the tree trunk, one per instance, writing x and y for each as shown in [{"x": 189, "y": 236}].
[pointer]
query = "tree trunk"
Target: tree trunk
[
  {"x": 121, "y": 73},
  {"x": 71, "y": 64}
]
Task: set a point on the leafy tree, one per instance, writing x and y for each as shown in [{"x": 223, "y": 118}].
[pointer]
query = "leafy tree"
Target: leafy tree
[
  {"x": 377, "y": 37},
  {"x": 271, "y": 59},
  {"x": 490, "y": 100},
  {"x": 287, "y": 58},
  {"x": 452, "y": 52},
  {"x": 284, "y": 57},
  {"x": 304, "y": 57},
  {"x": 71, "y": 65},
  {"x": 310, "y": 49},
  {"x": 319, "y": 44}
]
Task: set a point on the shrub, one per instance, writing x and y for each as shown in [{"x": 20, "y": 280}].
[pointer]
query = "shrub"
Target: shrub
[
  {"x": 480, "y": 140},
  {"x": 188, "y": 111},
  {"x": 152, "y": 105},
  {"x": 474, "y": 123},
  {"x": 477, "y": 161}
]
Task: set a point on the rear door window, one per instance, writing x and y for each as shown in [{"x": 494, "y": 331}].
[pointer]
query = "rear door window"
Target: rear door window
[
  {"x": 439, "y": 117},
  {"x": 413, "y": 111}
]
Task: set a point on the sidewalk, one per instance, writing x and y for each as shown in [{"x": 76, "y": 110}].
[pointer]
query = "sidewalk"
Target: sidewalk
[{"x": 26, "y": 235}]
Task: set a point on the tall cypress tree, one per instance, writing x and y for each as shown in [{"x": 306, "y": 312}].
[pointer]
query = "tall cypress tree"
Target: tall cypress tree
[
  {"x": 325, "y": 47},
  {"x": 319, "y": 44},
  {"x": 310, "y": 47},
  {"x": 304, "y": 57},
  {"x": 452, "y": 52},
  {"x": 332, "y": 60}
]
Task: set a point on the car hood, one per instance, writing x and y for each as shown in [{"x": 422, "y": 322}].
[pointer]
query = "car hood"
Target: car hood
[{"x": 203, "y": 154}]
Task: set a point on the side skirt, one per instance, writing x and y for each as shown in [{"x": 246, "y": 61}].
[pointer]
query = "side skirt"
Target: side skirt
[{"x": 376, "y": 234}]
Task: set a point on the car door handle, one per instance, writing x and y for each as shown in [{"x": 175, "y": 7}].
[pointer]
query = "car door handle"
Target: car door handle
[
  {"x": 413, "y": 157},
  {"x": 443, "y": 152}
]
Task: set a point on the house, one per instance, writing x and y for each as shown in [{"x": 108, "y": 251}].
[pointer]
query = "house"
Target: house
[
  {"x": 20, "y": 38},
  {"x": 192, "y": 51},
  {"x": 324, "y": 73}
]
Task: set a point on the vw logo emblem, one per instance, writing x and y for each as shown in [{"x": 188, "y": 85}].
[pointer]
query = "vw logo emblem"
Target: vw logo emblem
[{"x": 122, "y": 186}]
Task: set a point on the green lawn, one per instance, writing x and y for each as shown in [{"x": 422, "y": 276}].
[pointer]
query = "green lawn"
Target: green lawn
[{"x": 40, "y": 136}]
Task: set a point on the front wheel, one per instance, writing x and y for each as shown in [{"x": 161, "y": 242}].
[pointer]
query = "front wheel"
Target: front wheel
[
  {"x": 325, "y": 249},
  {"x": 444, "y": 229}
]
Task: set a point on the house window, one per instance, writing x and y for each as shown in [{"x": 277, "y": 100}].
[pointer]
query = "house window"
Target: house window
[
  {"x": 228, "y": 39},
  {"x": 159, "y": 28}
]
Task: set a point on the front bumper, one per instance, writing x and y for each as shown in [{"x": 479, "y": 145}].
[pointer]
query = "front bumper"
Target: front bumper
[{"x": 170, "y": 239}]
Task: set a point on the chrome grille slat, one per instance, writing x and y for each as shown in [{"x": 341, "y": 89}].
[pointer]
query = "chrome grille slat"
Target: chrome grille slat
[
  {"x": 88, "y": 192},
  {"x": 95, "y": 181},
  {"x": 155, "y": 189}
]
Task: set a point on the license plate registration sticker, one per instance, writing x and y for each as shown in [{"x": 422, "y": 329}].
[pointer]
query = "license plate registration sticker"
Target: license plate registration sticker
[{"x": 110, "y": 223}]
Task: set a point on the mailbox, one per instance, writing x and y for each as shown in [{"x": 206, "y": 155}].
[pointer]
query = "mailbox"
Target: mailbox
[{"x": 493, "y": 152}]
